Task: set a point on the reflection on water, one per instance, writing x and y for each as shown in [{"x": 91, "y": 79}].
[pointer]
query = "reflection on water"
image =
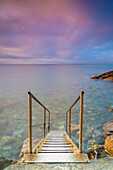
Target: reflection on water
[{"x": 56, "y": 86}]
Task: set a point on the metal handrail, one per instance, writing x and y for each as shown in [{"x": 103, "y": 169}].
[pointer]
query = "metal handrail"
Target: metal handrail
[
  {"x": 30, "y": 97},
  {"x": 37, "y": 100},
  {"x": 74, "y": 103},
  {"x": 80, "y": 97}
]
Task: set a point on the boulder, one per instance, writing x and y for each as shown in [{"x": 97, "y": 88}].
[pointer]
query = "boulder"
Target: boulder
[
  {"x": 110, "y": 78},
  {"x": 108, "y": 136},
  {"x": 109, "y": 144},
  {"x": 108, "y": 129}
]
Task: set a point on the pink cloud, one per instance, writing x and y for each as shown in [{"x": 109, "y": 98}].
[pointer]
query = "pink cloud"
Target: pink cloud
[{"x": 50, "y": 30}]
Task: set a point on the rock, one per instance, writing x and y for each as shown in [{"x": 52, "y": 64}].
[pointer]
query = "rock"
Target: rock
[
  {"x": 108, "y": 129},
  {"x": 4, "y": 162},
  {"x": 95, "y": 77},
  {"x": 110, "y": 78},
  {"x": 25, "y": 146},
  {"x": 105, "y": 76},
  {"x": 98, "y": 133},
  {"x": 9, "y": 139},
  {"x": 97, "y": 152},
  {"x": 88, "y": 133},
  {"x": 5, "y": 148},
  {"x": 97, "y": 164},
  {"x": 109, "y": 144},
  {"x": 100, "y": 139},
  {"x": 21, "y": 131},
  {"x": 108, "y": 136},
  {"x": 110, "y": 109}
]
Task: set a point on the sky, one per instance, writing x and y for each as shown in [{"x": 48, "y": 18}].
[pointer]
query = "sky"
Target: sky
[{"x": 56, "y": 31}]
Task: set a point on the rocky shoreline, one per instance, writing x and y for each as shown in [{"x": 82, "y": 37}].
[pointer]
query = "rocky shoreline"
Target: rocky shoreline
[
  {"x": 5, "y": 162},
  {"x": 106, "y": 150},
  {"x": 105, "y": 76},
  {"x": 97, "y": 151}
]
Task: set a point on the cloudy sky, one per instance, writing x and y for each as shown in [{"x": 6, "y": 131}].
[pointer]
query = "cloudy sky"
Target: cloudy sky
[{"x": 56, "y": 31}]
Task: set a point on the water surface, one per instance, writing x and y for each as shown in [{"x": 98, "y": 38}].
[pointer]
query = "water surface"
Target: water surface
[{"x": 56, "y": 86}]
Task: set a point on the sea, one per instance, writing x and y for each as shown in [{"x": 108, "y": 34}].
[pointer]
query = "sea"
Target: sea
[{"x": 57, "y": 87}]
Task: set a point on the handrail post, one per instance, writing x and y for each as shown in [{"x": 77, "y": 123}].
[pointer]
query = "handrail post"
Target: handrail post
[
  {"x": 81, "y": 122},
  {"x": 66, "y": 122},
  {"x": 70, "y": 123},
  {"x": 44, "y": 123},
  {"x": 30, "y": 122},
  {"x": 48, "y": 122}
]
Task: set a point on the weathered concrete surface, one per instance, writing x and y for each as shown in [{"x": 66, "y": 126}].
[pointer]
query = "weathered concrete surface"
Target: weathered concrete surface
[
  {"x": 99, "y": 164},
  {"x": 105, "y": 76},
  {"x": 4, "y": 162}
]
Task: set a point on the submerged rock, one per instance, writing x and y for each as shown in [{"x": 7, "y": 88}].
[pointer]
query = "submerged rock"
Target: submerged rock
[
  {"x": 88, "y": 133},
  {"x": 4, "y": 162},
  {"x": 6, "y": 148},
  {"x": 9, "y": 139},
  {"x": 90, "y": 143}
]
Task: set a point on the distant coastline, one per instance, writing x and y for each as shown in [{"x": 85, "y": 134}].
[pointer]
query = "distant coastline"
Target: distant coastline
[{"x": 105, "y": 76}]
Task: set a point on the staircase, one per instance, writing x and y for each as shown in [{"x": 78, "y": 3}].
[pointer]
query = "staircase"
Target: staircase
[{"x": 56, "y": 146}]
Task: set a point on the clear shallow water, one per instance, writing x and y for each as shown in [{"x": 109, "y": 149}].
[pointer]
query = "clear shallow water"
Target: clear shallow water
[{"x": 56, "y": 86}]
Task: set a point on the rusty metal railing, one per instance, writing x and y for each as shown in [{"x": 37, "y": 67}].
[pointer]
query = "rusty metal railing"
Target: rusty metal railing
[
  {"x": 30, "y": 97},
  {"x": 80, "y": 97}
]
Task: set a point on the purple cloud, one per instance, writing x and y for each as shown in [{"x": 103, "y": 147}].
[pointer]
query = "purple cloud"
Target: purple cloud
[{"x": 55, "y": 31}]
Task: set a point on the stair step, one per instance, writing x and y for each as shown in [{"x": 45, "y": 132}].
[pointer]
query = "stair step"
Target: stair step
[
  {"x": 55, "y": 145},
  {"x": 55, "y": 151},
  {"x": 56, "y": 158},
  {"x": 56, "y": 140},
  {"x": 50, "y": 148}
]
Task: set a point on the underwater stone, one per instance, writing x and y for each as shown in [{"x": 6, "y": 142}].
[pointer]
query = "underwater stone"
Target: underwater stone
[
  {"x": 6, "y": 148},
  {"x": 9, "y": 139},
  {"x": 90, "y": 143}
]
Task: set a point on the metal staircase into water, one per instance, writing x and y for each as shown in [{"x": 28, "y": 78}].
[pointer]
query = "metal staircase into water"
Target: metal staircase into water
[{"x": 56, "y": 146}]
